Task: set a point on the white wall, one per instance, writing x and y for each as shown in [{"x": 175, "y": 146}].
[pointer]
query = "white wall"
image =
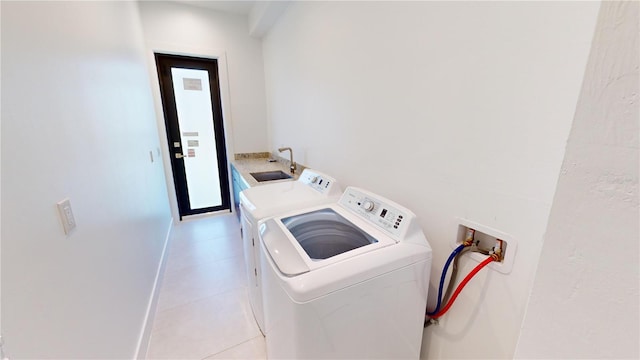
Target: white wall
[
  {"x": 184, "y": 26},
  {"x": 452, "y": 109},
  {"x": 77, "y": 122},
  {"x": 1, "y": 341},
  {"x": 588, "y": 280}
]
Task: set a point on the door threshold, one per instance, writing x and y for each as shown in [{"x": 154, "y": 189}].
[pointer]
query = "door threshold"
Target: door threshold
[{"x": 205, "y": 215}]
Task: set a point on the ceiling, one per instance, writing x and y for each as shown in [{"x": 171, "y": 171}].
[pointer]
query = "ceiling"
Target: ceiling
[
  {"x": 240, "y": 7},
  {"x": 264, "y": 17}
]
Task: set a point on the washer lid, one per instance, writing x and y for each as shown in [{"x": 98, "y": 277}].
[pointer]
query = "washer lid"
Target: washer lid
[
  {"x": 319, "y": 237},
  {"x": 312, "y": 188},
  {"x": 281, "y": 249},
  {"x": 260, "y": 200},
  {"x": 324, "y": 233}
]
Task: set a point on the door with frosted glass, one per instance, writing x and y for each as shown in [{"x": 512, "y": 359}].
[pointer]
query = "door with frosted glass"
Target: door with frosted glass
[{"x": 190, "y": 92}]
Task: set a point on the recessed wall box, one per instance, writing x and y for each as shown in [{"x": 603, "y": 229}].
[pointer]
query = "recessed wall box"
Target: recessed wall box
[{"x": 487, "y": 238}]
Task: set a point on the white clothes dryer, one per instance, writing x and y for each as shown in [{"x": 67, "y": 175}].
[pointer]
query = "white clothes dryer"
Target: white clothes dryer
[
  {"x": 256, "y": 203},
  {"x": 346, "y": 280}
]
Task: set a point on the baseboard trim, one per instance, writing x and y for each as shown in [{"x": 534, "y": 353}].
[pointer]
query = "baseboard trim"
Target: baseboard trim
[{"x": 145, "y": 333}]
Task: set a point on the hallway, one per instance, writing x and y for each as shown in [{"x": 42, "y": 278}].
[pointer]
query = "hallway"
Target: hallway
[{"x": 203, "y": 311}]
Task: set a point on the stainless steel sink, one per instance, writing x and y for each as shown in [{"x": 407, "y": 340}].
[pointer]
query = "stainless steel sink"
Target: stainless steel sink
[{"x": 270, "y": 175}]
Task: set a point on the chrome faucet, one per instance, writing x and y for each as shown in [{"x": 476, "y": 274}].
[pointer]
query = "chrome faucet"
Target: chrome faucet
[{"x": 292, "y": 166}]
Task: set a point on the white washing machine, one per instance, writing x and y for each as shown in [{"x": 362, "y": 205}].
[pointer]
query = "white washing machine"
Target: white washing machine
[
  {"x": 257, "y": 203},
  {"x": 346, "y": 280}
]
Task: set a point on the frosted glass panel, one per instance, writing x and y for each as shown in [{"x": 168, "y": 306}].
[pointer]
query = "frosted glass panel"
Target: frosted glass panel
[{"x": 193, "y": 102}]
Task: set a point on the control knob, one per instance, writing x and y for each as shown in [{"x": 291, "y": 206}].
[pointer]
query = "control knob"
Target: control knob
[
  {"x": 368, "y": 205},
  {"x": 314, "y": 179}
]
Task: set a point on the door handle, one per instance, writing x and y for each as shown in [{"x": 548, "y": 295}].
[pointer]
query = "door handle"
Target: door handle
[{"x": 180, "y": 156}]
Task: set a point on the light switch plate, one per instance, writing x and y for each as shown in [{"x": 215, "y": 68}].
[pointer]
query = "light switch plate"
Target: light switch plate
[{"x": 66, "y": 215}]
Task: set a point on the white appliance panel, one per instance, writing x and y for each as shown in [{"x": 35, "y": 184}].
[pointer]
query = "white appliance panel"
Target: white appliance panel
[{"x": 365, "y": 302}]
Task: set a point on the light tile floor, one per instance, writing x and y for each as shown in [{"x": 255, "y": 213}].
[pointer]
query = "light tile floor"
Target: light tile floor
[{"x": 203, "y": 311}]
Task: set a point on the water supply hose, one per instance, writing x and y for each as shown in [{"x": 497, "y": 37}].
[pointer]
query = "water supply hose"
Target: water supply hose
[
  {"x": 464, "y": 282},
  {"x": 443, "y": 276},
  {"x": 454, "y": 275}
]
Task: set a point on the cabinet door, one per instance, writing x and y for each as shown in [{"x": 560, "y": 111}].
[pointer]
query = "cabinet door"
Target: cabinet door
[{"x": 236, "y": 187}]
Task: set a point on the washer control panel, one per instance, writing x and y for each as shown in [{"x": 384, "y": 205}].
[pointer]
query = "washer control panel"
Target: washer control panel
[
  {"x": 320, "y": 183},
  {"x": 375, "y": 210}
]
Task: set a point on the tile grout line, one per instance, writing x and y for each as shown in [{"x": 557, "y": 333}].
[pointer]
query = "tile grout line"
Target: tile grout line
[
  {"x": 202, "y": 298},
  {"x": 178, "y": 245},
  {"x": 231, "y": 347},
  {"x": 172, "y": 270}
]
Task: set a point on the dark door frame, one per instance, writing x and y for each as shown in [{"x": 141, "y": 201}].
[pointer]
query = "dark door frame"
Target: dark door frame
[{"x": 164, "y": 62}]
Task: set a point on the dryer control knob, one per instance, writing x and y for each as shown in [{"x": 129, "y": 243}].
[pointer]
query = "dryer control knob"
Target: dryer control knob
[
  {"x": 368, "y": 205},
  {"x": 314, "y": 179}
]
